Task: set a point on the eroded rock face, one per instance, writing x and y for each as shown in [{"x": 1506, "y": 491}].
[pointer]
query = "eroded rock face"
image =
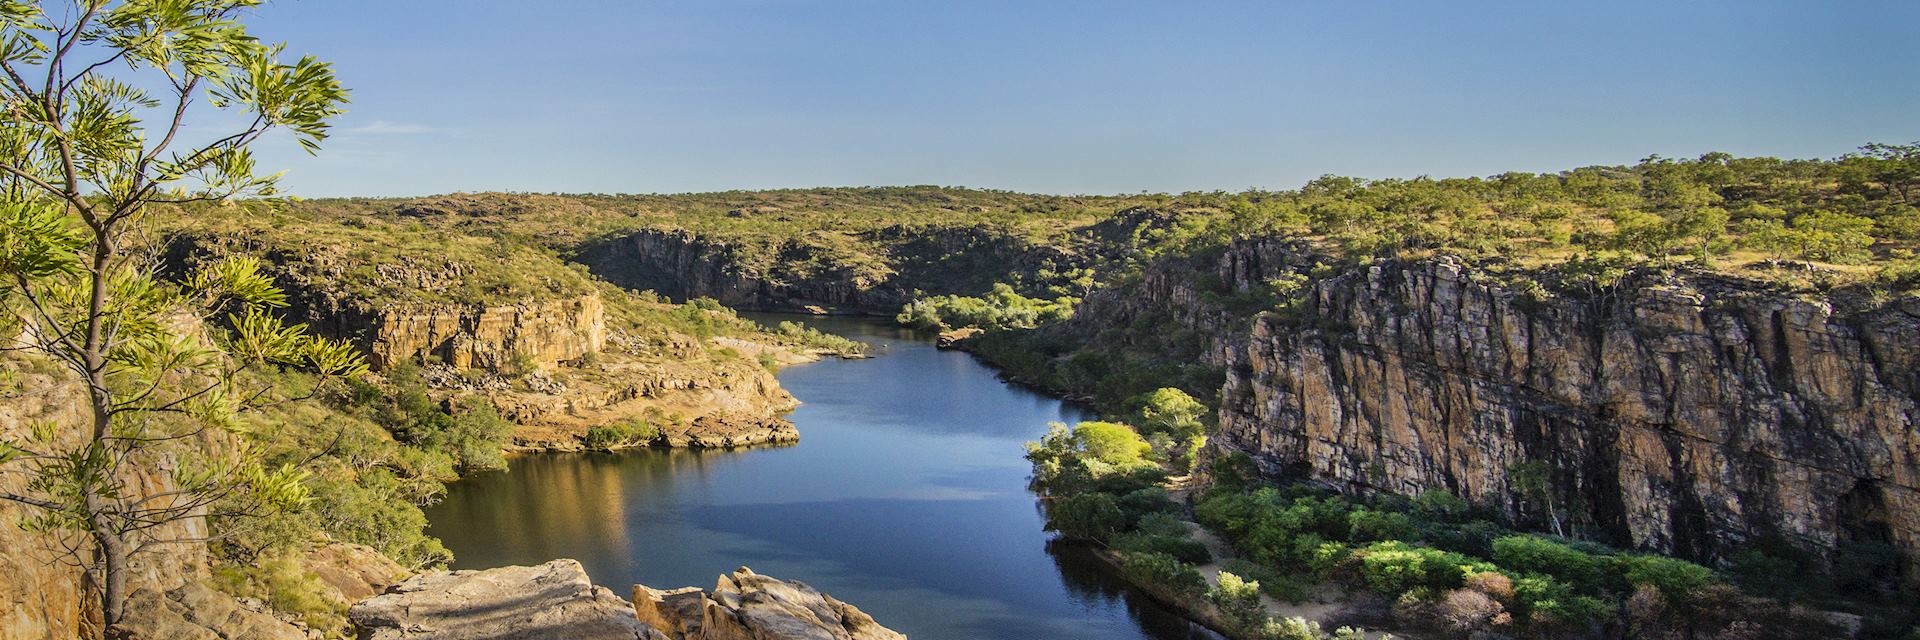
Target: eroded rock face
[
  {"x": 41, "y": 594},
  {"x": 747, "y": 606},
  {"x": 195, "y": 612},
  {"x": 1688, "y": 415},
  {"x": 489, "y": 337},
  {"x": 818, "y": 273},
  {"x": 550, "y": 601}
]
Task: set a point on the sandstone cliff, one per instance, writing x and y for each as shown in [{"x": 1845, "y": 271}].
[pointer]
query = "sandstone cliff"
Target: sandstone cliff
[
  {"x": 874, "y": 272},
  {"x": 41, "y": 590},
  {"x": 543, "y": 333},
  {"x": 1690, "y": 414}
]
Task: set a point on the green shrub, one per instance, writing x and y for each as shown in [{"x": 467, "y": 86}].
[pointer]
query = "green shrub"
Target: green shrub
[
  {"x": 1367, "y": 525},
  {"x": 1179, "y": 546},
  {"x": 1091, "y": 455},
  {"x": 1164, "y": 570},
  {"x": 283, "y": 583},
  {"x": 1393, "y": 567},
  {"x": 1439, "y": 505},
  {"x": 1281, "y": 586},
  {"x": 631, "y": 431},
  {"x": 1295, "y": 628},
  {"x": 1326, "y": 559},
  {"x": 1000, "y": 308},
  {"x": 1675, "y": 579},
  {"x": 1553, "y": 604},
  {"x": 1089, "y": 516},
  {"x": 1240, "y": 599},
  {"x": 1585, "y": 572}
]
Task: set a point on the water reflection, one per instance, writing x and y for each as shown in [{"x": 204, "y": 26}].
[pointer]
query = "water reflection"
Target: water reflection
[{"x": 906, "y": 496}]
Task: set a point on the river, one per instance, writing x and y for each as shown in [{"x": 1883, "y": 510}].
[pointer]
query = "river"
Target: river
[{"x": 906, "y": 496}]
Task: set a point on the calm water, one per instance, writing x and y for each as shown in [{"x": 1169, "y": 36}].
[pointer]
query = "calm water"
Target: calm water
[{"x": 906, "y": 497}]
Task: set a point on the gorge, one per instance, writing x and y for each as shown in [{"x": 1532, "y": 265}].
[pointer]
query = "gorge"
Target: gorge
[
  {"x": 1700, "y": 409},
  {"x": 906, "y": 495}
]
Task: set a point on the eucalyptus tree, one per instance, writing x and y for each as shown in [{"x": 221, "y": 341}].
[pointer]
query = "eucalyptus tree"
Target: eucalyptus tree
[{"x": 97, "y": 97}]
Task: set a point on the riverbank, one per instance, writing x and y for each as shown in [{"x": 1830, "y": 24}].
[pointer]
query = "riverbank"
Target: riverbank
[{"x": 906, "y": 495}]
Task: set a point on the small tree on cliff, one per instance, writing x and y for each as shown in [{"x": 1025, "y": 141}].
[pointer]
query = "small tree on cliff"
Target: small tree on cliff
[{"x": 79, "y": 168}]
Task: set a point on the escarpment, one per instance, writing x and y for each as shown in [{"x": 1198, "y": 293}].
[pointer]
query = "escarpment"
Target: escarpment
[
  {"x": 872, "y": 272},
  {"x": 419, "y": 307},
  {"x": 553, "y": 351},
  {"x": 1690, "y": 414}
]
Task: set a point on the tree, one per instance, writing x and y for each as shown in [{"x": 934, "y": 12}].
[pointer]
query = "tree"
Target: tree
[
  {"x": 79, "y": 169},
  {"x": 1171, "y": 411},
  {"x": 1090, "y": 516},
  {"x": 1534, "y": 479},
  {"x": 1833, "y": 236}
]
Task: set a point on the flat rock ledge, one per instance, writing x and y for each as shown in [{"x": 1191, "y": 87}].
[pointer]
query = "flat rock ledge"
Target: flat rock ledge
[
  {"x": 747, "y": 606},
  {"x": 550, "y": 601}
]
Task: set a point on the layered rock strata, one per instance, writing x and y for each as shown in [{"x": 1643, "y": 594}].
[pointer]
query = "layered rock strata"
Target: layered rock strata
[
  {"x": 747, "y": 606},
  {"x": 1687, "y": 414},
  {"x": 550, "y": 601}
]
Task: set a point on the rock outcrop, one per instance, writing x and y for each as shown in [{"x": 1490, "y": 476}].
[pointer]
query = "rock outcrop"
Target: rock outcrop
[
  {"x": 1689, "y": 414},
  {"x": 747, "y": 606},
  {"x": 550, "y": 601},
  {"x": 493, "y": 338},
  {"x": 41, "y": 593},
  {"x": 195, "y": 612},
  {"x": 739, "y": 273},
  {"x": 874, "y": 272}
]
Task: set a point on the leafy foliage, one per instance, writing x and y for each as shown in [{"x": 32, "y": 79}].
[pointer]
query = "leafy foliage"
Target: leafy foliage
[{"x": 1001, "y": 308}]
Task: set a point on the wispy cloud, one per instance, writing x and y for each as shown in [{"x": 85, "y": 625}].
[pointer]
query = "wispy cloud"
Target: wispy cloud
[{"x": 388, "y": 127}]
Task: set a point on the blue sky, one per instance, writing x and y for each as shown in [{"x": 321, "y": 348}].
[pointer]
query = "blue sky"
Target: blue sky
[{"x": 1075, "y": 97}]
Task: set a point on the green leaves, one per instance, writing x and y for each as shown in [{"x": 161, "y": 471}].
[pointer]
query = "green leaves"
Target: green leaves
[
  {"x": 334, "y": 358},
  {"x": 260, "y": 337},
  {"x": 237, "y": 278},
  {"x": 38, "y": 239}
]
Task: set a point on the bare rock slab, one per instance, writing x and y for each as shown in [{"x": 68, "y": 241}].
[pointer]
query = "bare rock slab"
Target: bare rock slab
[
  {"x": 748, "y": 606},
  {"x": 550, "y": 601}
]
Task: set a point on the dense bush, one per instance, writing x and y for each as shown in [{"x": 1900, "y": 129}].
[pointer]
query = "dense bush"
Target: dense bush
[
  {"x": 1091, "y": 515},
  {"x": 1393, "y": 567},
  {"x": 1090, "y": 455},
  {"x": 1164, "y": 570},
  {"x": 1001, "y": 308},
  {"x": 1179, "y": 546},
  {"x": 632, "y": 431},
  {"x": 473, "y": 432},
  {"x": 1447, "y": 572},
  {"x": 810, "y": 337},
  {"x": 1535, "y": 554},
  {"x": 1240, "y": 599}
]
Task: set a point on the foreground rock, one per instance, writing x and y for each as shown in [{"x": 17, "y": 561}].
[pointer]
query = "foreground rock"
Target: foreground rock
[
  {"x": 748, "y": 606},
  {"x": 554, "y": 600},
  {"x": 196, "y": 612}
]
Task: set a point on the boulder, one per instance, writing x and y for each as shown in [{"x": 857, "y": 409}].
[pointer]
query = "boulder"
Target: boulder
[
  {"x": 356, "y": 572},
  {"x": 953, "y": 338},
  {"x": 550, "y": 601},
  {"x": 195, "y": 612},
  {"x": 748, "y": 606},
  {"x": 676, "y": 612}
]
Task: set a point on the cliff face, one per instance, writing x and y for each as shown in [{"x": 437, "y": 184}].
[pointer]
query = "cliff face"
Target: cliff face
[
  {"x": 683, "y": 265},
  {"x": 488, "y": 337},
  {"x": 874, "y": 272},
  {"x": 42, "y": 594},
  {"x": 1683, "y": 414}
]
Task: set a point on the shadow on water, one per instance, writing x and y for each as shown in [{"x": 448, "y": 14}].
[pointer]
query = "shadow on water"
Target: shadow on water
[{"x": 906, "y": 496}]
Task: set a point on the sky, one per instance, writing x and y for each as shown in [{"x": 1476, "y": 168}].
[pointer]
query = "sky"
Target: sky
[{"x": 1074, "y": 97}]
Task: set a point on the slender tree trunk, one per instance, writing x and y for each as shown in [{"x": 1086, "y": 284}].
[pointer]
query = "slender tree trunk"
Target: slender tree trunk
[
  {"x": 112, "y": 547},
  {"x": 113, "y": 569}
]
